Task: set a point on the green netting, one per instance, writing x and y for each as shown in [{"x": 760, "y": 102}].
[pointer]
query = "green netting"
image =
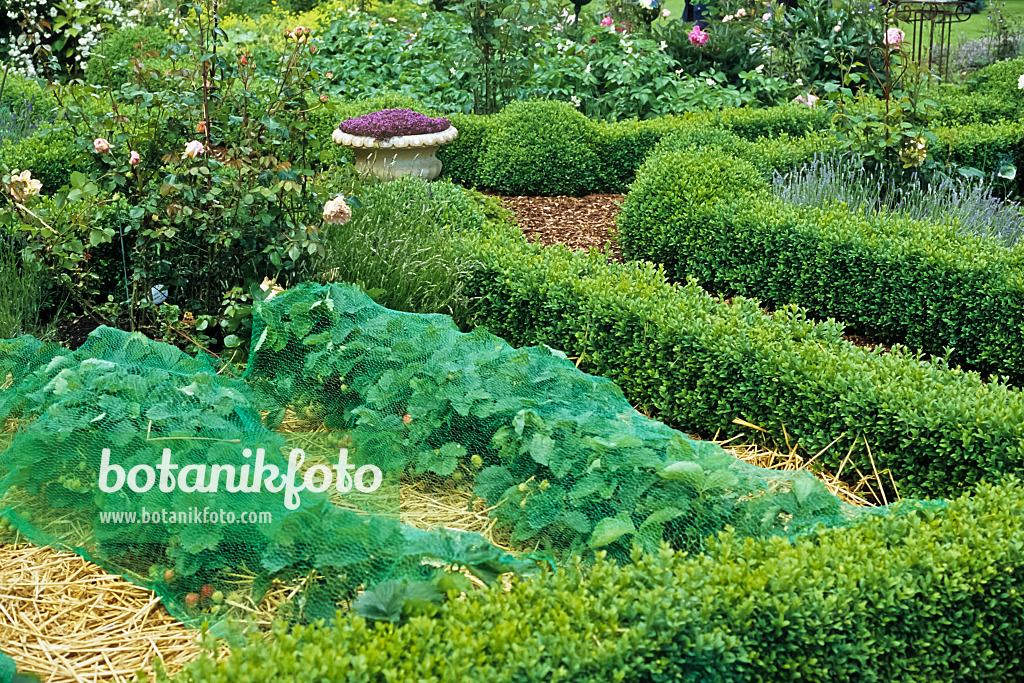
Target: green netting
[
  {"x": 7, "y": 669},
  {"x": 558, "y": 459}
]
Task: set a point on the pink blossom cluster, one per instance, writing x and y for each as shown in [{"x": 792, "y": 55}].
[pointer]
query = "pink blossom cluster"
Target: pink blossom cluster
[
  {"x": 697, "y": 36},
  {"x": 809, "y": 99}
]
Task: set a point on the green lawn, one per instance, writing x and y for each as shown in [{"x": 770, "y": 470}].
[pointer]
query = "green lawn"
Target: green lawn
[
  {"x": 977, "y": 25},
  {"x": 972, "y": 28}
]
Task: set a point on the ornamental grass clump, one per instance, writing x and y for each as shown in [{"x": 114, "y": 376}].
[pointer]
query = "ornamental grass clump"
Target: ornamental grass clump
[{"x": 389, "y": 123}]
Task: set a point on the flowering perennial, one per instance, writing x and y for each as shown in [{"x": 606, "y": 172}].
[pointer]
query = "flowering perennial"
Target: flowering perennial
[
  {"x": 388, "y": 123},
  {"x": 809, "y": 99}
]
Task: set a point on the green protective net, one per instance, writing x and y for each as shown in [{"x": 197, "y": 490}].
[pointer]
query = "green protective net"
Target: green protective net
[
  {"x": 154, "y": 464},
  {"x": 7, "y": 668}
]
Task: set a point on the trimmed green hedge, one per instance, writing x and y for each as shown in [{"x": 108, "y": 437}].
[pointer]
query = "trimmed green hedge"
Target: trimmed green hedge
[
  {"x": 460, "y": 158},
  {"x": 709, "y": 215},
  {"x": 988, "y": 95},
  {"x": 109, "y": 63},
  {"x": 52, "y": 158},
  {"x": 542, "y": 147},
  {"x": 530, "y": 147},
  {"x": 497, "y": 152},
  {"x": 699, "y": 363},
  {"x": 915, "y": 595}
]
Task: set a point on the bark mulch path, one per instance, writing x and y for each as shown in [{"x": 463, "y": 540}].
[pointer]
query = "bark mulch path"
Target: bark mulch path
[
  {"x": 585, "y": 222},
  {"x": 577, "y": 222}
]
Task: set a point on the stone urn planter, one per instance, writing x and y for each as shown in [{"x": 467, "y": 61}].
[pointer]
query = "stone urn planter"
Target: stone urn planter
[{"x": 400, "y": 143}]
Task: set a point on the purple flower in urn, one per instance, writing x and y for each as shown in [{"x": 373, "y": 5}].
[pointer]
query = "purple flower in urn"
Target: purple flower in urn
[{"x": 389, "y": 123}]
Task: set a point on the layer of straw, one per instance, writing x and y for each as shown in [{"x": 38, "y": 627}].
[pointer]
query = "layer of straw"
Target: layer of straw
[{"x": 71, "y": 622}]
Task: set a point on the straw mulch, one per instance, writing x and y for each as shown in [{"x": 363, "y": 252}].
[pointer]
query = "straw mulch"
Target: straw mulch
[
  {"x": 868, "y": 490},
  {"x": 69, "y": 621}
]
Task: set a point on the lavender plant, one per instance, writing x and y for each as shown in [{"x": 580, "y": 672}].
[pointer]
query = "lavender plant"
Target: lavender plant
[
  {"x": 1003, "y": 39},
  {"x": 970, "y": 204},
  {"x": 388, "y": 123}
]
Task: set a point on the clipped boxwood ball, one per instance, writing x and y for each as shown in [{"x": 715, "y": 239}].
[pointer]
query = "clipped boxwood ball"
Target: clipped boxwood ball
[{"x": 541, "y": 148}]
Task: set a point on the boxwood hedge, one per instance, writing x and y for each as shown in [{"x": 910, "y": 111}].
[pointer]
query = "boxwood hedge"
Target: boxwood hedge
[
  {"x": 497, "y": 152},
  {"x": 706, "y": 214},
  {"x": 530, "y": 147},
  {"x": 915, "y": 595},
  {"x": 699, "y": 363}
]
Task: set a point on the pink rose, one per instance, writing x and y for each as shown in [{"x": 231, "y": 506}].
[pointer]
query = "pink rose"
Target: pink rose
[
  {"x": 134, "y": 158},
  {"x": 194, "y": 149},
  {"x": 893, "y": 37},
  {"x": 697, "y": 36},
  {"x": 665, "y": 13},
  {"x": 766, "y": 16},
  {"x": 101, "y": 145},
  {"x": 607, "y": 21},
  {"x": 330, "y": 75},
  {"x": 620, "y": 29},
  {"x": 741, "y": 12},
  {"x": 323, "y": 97},
  {"x": 807, "y": 99}
]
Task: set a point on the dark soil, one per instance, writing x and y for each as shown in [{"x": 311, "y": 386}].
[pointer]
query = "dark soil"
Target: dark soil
[{"x": 72, "y": 332}]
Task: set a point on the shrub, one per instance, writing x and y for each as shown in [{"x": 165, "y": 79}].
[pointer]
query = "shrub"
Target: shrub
[
  {"x": 460, "y": 158},
  {"x": 621, "y": 148},
  {"x": 52, "y": 158},
  {"x": 998, "y": 80},
  {"x": 673, "y": 189},
  {"x": 932, "y": 594},
  {"x": 770, "y": 122},
  {"x": 540, "y": 148},
  {"x": 891, "y": 277},
  {"x": 786, "y": 152},
  {"x": 699, "y": 363},
  {"x": 706, "y": 136},
  {"x": 109, "y": 63},
  {"x": 987, "y": 147},
  {"x": 960, "y": 108}
]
